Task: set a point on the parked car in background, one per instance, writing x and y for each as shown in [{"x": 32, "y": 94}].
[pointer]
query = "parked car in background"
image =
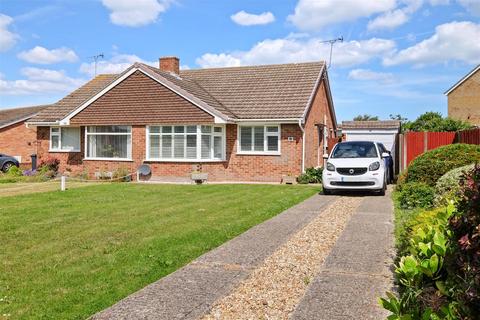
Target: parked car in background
[
  {"x": 7, "y": 161},
  {"x": 356, "y": 165}
]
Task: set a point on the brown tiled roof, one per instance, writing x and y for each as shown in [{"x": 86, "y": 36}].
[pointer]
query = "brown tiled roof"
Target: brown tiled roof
[
  {"x": 256, "y": 92},
  {"x": 62, "y": 108},
  {"x": 260, "y": 92},
  {"x": 11, "y": 116},
  {"x": 378, "y": 124}
]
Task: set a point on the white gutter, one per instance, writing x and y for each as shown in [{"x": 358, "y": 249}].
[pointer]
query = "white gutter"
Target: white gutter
[{"x": 303, "y": 144}]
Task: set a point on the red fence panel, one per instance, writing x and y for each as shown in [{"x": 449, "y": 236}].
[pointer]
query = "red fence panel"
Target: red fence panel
[
  {"x": 469, "y": 136},
  {"x": 438, "y": 139},
  {"x": 414, "y": 145}
]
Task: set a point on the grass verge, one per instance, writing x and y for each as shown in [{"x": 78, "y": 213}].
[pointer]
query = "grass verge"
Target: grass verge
[{"x": 67, "y": 255}]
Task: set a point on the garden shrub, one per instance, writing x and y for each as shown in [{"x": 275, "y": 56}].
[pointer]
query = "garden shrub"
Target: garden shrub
[
  {"x": 311, "y": 175},
  {"x": 121, "y": 175},
  {"x": 416, "y": 195},
  {"x": 464, "y": 261},
  {"x": 433, "y": 164},
  {"x": 447, "y": 187},
  {"x": 51, "y": 164},
  {"x": 14, "y": 172}
]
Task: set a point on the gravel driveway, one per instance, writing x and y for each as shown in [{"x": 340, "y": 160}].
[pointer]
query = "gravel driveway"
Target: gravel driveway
[{"x": 326, "y": 258}]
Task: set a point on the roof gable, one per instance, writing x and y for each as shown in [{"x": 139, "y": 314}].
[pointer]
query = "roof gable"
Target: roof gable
[
  {"x": 456, "y": 85},
  {"x": 140, "y": 100}
]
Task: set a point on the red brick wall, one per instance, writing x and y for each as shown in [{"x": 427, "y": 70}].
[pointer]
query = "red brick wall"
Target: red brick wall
[
  {"x": 18, "y": 140},
  {"x": 314, "y": 141},
  {"x": 236, "y": 167}
]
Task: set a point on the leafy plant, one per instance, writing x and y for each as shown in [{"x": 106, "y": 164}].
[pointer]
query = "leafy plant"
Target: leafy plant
[
  {"x": 311, "y": 175},
  {"x": 447, "y": 187},
  {"x": 52, "y": 164},
  {"x": 365, "y": 117},
  {"x": 14, "y": 171},
  {"x": 433, "y": 164},
  {"x": 464, "y": 260},
  {"x": 416, "y": 195},
  {"x": 434, "y": 122},
  {"x": 121, "y": 175}
]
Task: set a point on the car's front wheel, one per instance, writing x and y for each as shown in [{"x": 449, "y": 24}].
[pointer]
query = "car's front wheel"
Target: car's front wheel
[
  {"x": 382, "y": 191},
  {"x": 7, "y": 166},
  {"x": 327, "y": 192}
]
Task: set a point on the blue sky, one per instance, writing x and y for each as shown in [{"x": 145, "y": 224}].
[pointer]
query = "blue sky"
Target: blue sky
[{"x": 397, "y": 57}]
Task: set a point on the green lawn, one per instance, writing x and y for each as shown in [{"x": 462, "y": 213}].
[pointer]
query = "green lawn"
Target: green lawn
[{"x": 68, "y": 255}]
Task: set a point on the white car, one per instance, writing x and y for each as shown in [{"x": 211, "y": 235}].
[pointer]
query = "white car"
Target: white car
[{"x": 356, "y": 165}]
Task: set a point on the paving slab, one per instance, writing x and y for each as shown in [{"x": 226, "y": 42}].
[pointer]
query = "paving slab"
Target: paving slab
[
  {"x": 190, "y": 291},
  {"x": 358, "y": 269}
]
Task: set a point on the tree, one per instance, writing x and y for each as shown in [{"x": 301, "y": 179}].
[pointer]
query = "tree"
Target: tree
[
  {"x": 365, "y": 117},
  {"x": 433, "y": 121}
]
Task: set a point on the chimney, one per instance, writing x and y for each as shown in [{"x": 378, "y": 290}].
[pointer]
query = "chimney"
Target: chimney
[{"x": 170, "y": 64}]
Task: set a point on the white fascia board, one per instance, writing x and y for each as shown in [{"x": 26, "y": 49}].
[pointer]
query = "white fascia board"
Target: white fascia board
[{"x": 256, "y": 121}]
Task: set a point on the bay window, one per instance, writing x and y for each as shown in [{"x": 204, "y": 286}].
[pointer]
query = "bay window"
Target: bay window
[
  {"x": 64, "y": 139},
  {"x": 186, "y": 143},
  {"x": 109, "y": 142},
  {"x": 259, "y": 139}
]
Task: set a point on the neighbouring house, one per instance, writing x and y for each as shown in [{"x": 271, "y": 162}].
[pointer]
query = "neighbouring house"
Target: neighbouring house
[
  {"x": 464, "y": 98},
  {"x": 383, "y": 131},
  {"x": 252, "y": 123},
  {"x": 15, "y": 138}
]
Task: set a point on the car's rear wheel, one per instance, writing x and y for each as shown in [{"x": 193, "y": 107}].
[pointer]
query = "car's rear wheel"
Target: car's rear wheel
[{"x": 7, "y": 166}]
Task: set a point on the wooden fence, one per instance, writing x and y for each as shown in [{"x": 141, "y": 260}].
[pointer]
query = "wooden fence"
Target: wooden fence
[{"x": 413, "y": 144}]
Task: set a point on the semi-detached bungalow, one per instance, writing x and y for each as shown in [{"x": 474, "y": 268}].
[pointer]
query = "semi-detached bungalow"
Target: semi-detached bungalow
[{"x": 254, "y": 123}]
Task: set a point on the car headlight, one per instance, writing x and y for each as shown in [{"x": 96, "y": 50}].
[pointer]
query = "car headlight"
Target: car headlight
[
  {"x": 374, "y": 166},
  {"x": 330, "y": 167}
]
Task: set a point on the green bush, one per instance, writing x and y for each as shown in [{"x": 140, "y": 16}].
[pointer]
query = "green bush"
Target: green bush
[
  {"x": 447, "y": 187},
  {"x": 433, "y": 164},
  {"x": 416, "y": 195},
  {"x": 14, "y": 172},
  {"x": 121, "y": 175},
  {"x": 311, "y": 175}
]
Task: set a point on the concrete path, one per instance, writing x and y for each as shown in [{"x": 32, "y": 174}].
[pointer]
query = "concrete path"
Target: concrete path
[
  {"x": 355, "y": 273},
  {"x": 358, "y": 269},
  {"x": 189, "y": 292}
]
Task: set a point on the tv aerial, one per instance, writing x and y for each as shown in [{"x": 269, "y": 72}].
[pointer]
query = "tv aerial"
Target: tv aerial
[
  {"x": 95, "y": 59},
  {"x": 332, "y": 42}
]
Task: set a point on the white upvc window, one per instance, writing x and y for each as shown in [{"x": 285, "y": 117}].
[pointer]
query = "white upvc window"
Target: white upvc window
[
  {"x": 108, "y": 143},
  {"x": 64, "y": 139},
  {"x": 259, "y": 139},
  {"x": 186, "y": 143}
]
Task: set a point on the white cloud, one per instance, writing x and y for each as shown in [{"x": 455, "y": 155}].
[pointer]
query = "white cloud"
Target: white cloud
[
  {"x": 135, "y": 13},
  {"x": 248, "y": 19},
  {"x": 451, "y": 41},
  {"x": 395, "y": 18},
  {"x": 388, "y": 20},
  {"x": 369, "y": 75},
  {"x": 314, "y": 14},
  {"x": 298, "y": 50},
  {"x": 39, "y": 81},
  {"x": 7, "y": 38},
  {"x": 41, "y": 55},
  {"x": 473, "y": 6},
  {"x": 116, "y": 64}
]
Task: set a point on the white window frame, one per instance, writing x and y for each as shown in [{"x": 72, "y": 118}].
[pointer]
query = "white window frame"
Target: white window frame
[
  {"x": 129, "y": 146},
  {"x": 265, "y": 140},
  {"x": 59, "y": 135},
  {"x": 199, "y": 143}
]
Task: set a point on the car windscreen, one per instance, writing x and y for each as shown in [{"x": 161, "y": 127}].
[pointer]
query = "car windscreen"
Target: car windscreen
[{"x": 355, "y": 149}]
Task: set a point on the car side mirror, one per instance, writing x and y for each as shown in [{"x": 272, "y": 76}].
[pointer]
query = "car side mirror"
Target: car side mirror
[
  {"x": 385, "y": 155},
  {"x": 325, "y": 156}
]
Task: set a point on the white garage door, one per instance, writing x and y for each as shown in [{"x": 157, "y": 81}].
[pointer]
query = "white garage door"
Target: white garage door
[{"x": 388, "y": 139}]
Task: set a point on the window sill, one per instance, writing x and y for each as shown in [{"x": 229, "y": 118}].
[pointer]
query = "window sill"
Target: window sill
[
  {"x": 185, "y": 160},
  {"x": 108, "y": 159},
  {"x": 258, "y": 153},
  {"x": 63, "y": 151}
]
